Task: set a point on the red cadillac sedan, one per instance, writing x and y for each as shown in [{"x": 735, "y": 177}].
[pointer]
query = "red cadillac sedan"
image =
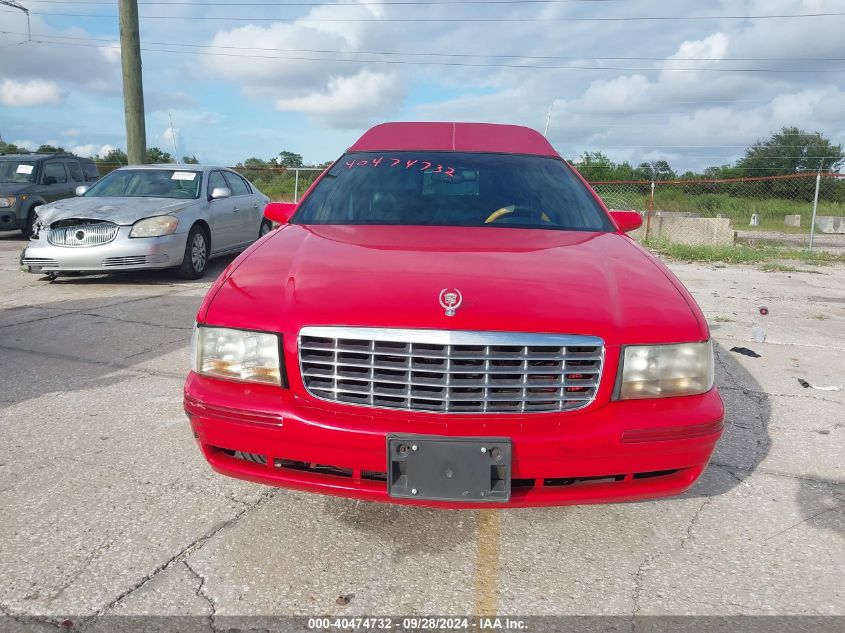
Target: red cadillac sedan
[{"x": 451, "y": 317}]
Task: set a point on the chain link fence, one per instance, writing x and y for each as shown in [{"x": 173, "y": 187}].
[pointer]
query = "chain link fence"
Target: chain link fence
[
  {"x": 281, "y": 184},
  {"x": 799, "y": 210}
]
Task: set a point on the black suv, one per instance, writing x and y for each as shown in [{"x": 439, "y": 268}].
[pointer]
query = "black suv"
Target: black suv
[{"x": 30, "y": 180}]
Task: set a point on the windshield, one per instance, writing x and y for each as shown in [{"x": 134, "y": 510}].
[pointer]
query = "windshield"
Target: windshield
[
  {"x": 147, "y": 183},
  {"x": 453, "y": 189},
  {"x": 16, "y": 171}
]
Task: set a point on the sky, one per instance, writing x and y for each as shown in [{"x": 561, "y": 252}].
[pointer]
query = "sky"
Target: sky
[{"x": 253, "y": 78}]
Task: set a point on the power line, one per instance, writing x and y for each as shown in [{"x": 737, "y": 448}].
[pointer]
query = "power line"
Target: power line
[
  {"x": 447, "y": 55},
  {"x": 660, "y": 18},
  {"x": 453, "y": 64},
  {"x": 320, "y": 4}
]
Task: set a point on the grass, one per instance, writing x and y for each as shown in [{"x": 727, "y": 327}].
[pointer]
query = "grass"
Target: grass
[
  {"x": 280, "y": 186},
  {"x": 777, "y": 267},
  {"x": 743, "y": 254},
  {"x": 738, "y": 202}
]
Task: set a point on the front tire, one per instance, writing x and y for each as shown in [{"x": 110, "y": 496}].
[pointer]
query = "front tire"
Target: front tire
[
  {"x": 26, "y": 229},
  {"x": 197, "y": 250}
]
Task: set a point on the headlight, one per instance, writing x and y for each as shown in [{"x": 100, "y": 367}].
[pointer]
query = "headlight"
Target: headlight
[
  {"x": 236, "y": 354},
  {"x": 154, "y": 227},
  {"x": 660, "y": 371},
  {"x": 7, "y": 201}
]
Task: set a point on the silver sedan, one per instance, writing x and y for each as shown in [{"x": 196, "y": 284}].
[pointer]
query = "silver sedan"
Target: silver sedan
[{"x": 148, "y": 216}]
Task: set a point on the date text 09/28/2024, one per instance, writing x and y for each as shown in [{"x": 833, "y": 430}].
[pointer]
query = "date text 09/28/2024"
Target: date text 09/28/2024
[{"x": 417, "y": 623}]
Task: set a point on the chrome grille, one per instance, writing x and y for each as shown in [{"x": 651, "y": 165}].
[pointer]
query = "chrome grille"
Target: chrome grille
[
  {"x": 83, "y": 234},
  {"x": 451, "y": 371},
  {"x": 40, "y": 262},
  {"x": 135, "y": 260}
]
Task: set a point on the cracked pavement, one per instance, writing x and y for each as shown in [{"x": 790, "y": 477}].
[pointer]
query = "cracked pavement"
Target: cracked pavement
[{"x": 109, "y": 507}]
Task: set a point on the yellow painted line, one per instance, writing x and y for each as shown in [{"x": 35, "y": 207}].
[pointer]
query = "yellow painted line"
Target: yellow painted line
[{"x": 487, "y": 564}]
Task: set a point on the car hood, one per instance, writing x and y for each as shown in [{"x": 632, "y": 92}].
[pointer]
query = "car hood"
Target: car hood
[
  {"x": 12, "y": 188},
  {"x": 525, "y": 280},
  {"x": 118, "y": 210}
]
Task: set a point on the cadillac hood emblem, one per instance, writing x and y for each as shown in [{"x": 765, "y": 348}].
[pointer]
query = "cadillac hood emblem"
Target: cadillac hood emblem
[{"x": 450, "y": 299}]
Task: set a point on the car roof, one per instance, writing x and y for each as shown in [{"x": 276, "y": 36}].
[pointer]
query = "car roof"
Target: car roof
[
  {"x": 454, "y": 137},
  {"x": 33, "y": 157},
  {"x": 26, "y": 156},
  {"x": 179, "y": 166}
]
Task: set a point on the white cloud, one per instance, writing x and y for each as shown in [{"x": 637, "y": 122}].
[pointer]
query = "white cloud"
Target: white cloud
[
  {"x": 105, "y": 149},
  {"x": 91, "y": 149},
  {"x": 333, "y": 89},
  {"x": 34, "y": 92},
  {"x": 349, "y": 101},
  {"x": 29, "y": 145},
  {"x": 83, "y": 64},
  {"x": 170, "y": 136}
]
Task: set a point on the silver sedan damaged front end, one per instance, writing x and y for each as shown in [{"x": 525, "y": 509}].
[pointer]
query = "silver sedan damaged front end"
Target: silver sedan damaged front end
[{"x": 87, "y": 245}]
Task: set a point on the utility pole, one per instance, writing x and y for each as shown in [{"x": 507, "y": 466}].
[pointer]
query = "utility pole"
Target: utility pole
[{"x": 133, "y": 87}]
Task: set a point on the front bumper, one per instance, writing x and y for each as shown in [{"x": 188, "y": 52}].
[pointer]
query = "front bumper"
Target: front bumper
[
  {"x": 9, "y": 220},
  {"x": 121, "y": 254},
  {"x": 623, "y": 451}
]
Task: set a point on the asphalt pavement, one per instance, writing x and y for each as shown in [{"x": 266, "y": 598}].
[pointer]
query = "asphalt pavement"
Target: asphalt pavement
[{"x": 109, "y": 509}]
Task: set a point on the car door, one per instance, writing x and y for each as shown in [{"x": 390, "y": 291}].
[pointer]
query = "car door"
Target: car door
[
  {"x": 55, "y": 182},
  {"x": 222, "y": 217},
  {"x": 74, "y": 171},
  {"x": 246, "y": 207}
]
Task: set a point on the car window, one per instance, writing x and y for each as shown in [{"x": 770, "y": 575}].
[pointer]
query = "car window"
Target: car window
[
  {"x": 453, "y": 189},
  {"x": 237, "y": 184},
  {"x": 55, "y": 170},
  {"x": 75, "y": 171},
  {"x": 216, "y": 180},
  {"x": 17, "y": 172},
  {"x": 90, "y": 169},
  {"x": 147, "y": 183}
]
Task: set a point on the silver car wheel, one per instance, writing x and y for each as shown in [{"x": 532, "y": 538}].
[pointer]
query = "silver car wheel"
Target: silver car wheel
[
  {"x": 265, "y": 229},
  {"x": 199, "y": 252}
]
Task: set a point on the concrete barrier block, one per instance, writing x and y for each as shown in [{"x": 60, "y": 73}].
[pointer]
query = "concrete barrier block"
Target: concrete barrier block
[
  {"x": 830, "y": 224},
  {"x": 792, "y": 220},
  {"x": 684, "y": 230},
  {"x": 677, "y": 214}
]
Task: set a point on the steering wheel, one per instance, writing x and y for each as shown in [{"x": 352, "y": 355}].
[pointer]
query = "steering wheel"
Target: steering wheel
[{"x": 515, "y": 210}]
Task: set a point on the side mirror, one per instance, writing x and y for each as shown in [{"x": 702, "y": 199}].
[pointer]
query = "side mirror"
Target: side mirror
[
  {"x": 81, "y": 189},
  {"x": 220, "y": 192},
  {"x": 280, "y": 212},
  {"x": 627, "y": 221}
]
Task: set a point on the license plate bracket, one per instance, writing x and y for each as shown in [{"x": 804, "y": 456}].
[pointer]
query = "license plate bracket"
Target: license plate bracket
[{"x": 438, "y": 468}]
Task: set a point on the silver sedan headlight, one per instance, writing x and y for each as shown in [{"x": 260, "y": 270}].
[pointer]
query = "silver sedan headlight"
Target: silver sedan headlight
[
  {"x": 236, "y": 354},
  {"x": 154, "y": 227},
  {"x": 660, "y": 371}
]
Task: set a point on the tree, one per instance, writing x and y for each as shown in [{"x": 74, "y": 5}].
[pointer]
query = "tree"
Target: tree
[
  {"x": 791, "y": 151},
  {"x": 289, "y": 159},
  {"x": 190, "y": 160},
  {"x": 595, "y": 166},
  {"x": 115, "y": 156},
  {"x": 49, "y": 149},
  {"x": 254, "y": 168},
  {"x": 255, "y": 162},
  {"x": 156, "y": 155},
  {"x": 658, "y": 169},
  {"x": 11, "y": 148}
]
